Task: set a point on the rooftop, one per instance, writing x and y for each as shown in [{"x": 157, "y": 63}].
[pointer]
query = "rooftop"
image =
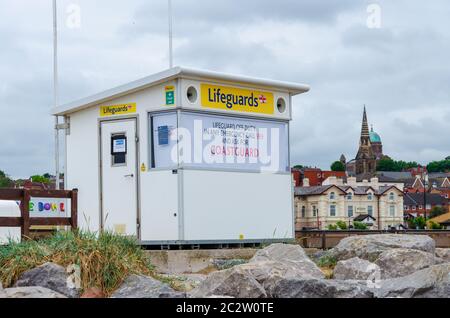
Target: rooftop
[{"x": 170, "y": 74}]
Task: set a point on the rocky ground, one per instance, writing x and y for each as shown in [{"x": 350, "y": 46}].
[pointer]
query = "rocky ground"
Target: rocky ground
[{"x": 370, "y": 266}]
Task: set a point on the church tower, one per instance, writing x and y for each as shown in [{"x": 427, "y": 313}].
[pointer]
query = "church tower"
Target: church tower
[{"x": 365, "y": 158}]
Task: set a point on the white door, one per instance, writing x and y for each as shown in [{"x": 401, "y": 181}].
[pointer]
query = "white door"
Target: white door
[{"x": 119, "y": 176}]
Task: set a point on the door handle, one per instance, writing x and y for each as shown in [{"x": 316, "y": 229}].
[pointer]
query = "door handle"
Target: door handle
[{"x": 129, "y": 175}]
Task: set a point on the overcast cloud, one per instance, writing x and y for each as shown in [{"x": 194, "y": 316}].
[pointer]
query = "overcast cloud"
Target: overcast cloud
[{"x": 400, "y": 71}]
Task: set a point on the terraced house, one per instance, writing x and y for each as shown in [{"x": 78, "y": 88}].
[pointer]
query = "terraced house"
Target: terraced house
[{"x": 320, "y": 206}]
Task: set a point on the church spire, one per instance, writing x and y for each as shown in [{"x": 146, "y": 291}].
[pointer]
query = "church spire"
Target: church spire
[{"x": 365, "y": 125}]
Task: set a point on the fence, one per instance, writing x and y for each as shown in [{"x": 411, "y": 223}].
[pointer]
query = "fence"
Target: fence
[
  {"x": 25, "y": 221},
  {"x": 329, "y": 239}
]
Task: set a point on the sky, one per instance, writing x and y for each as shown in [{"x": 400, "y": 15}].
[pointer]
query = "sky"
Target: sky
[{"x": 392, "y": 56}]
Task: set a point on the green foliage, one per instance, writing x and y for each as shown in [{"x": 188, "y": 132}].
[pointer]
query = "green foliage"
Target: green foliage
[
  {"x": 39, "y": 178},
  {"x": 337, "y": 166},
  {"x": 434, "y": 225},
  {"x": 327, "y": 261},
  {"x": 105, "y": 259},
  {"x": 439, "y": 166},
  {"x": 341, "y": 225},
  {"x": 359, "y": 225},
  {"x": 298, "y": 167},
  {"x": 332, "y": 227},
  {"x": 436, "y": 211},
  {"x": 419, "y": 222},
  {"x": 5, "y": 181},
  {"x": 388, "y": 164}
]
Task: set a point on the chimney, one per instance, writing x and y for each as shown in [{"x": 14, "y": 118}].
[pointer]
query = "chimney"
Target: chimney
[
  {"x": 331, "y": 180},
  {"x": 351, "y": 181},
  {"x": 374, "y": 183},
  {"x": 305, "y": 182}
]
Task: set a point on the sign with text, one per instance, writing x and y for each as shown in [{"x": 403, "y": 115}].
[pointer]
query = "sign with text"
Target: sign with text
[
  {"x": 236, "y": 99},
  {"x": 115, "y": 110},
  {"x": 220, "y": 142},
  {"x": 49, "y": 207},
  {"x": 170, "y": 95}
]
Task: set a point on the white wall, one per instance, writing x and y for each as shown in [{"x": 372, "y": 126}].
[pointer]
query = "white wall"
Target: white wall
[
  {"x": 224, "y": 205},
  {"x": 9, "y": 209}
]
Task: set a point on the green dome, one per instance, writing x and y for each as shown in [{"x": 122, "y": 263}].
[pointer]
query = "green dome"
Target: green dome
[{"x": 374, "y": 137}]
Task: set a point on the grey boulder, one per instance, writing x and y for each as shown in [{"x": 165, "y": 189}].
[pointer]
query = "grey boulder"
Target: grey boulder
[
  {"x": 430, "y": 282},
  {"x": 138, "y": 286},
  {"x": 319, "y": 288},
  {"x": 356, "y": 269},
  {"x": 369, "y": 247},
  {"x": 292, "y": 255},
  {"x": 402, "y": 262},
  {"x": 443, "y": 254},
  {"x": 51, "y": 276},
  {"x": 31, "y": 292}
]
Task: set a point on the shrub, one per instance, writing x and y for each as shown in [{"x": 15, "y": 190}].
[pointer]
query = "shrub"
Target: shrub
[
  {"x": 342, "y": 225},
  {"x": 419, "y": 222},
  {"x": 359, "y": 225},
  {"x": 105, "y": 259},
  {"x": 436, "y": 211},
  {"x": 434, "y": 225},
  {"x": 332, "y": 227},
  {"x": 327, "y": 261}
]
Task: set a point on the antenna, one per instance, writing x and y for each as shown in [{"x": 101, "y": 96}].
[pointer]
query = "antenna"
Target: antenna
[
  {"x": 170, "y": 34},
  {"x": 55, "y": 92}
]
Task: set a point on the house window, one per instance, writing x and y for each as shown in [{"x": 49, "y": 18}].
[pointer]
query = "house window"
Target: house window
[
  {"x": 350, "y": 211},
  {"x": 413, "y": 207},
  {"x": 420, "y": 207},
  {"x": 314, "y": 208},
  {"x": 303, "y": 211},
  {"x": 446, "y": 195},
  {"x": 332, "y": 195},
  {"x": 391, "y": 196},
  {"x": 369, "y": 196},
  {"x": 370, "y": 210},
  {"x": 392, "y": 210},
  {"x": 349, "y": 196},
  {"x": 332, "y": 210},
  {"x": 428, "y": 206},
  {"x": 406, "y": 207}
]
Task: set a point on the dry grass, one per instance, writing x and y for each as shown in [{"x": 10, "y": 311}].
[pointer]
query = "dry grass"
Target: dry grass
[{"x": 105, "y": 259}]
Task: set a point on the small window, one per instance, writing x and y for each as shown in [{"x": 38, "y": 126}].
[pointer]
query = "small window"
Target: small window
[
  {"x": 370, "y": 210},
  {"x": 332, "y": 210},
  {"x": 303, "y": 211},
  {"x": 420, "y": 207},
  {"x": 370, "y": 196},
  {"x": 406, "y": 208},
  {"x": 392, "y": 210},
  {"x": 349, "y": 196},
  {"x": 413, "y": 207},
  {"x": 391, "y": 196},
  {"x": 332, "y": 195},
  {"x": 119, "y": 149},
  {"x": 350, "y": 211}
]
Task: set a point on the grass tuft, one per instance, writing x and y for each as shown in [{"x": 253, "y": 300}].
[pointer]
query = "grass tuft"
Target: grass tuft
[{"x": 105, "y": 259}]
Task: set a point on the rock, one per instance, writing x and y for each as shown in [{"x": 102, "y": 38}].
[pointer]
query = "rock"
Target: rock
[
  {"x": 235, "y": 282},
  {"x": 227, "y": 263},
  {"x": 443, "y": 253},
  {"x": 48, "y": 275},
  {"x": 292, "y": 255},
  {"x": 430, "y": 282},
  {"x": 319, "y": 288},
  {"x": 369, "y": 247},
  {"x": 93, "y": 292},
  {"x": 2, "y": 291},
  {"x": 400, "y": 262},
  {"x": 186, "y": 282},
  {"x": 356, "y": 269},
  {"x": 32, "y": 292},
  {"x": 138, "y": 286}
]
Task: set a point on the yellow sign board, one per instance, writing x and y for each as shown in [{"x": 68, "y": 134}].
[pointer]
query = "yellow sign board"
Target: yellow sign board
[
  {"x": 237, "y": 99},
  {"x": 115, "y": 110}
]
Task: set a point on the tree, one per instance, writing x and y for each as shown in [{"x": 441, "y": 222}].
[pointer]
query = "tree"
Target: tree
[
  {"x": 359, "y": 225},
  {"x": 337, "y": 166},
  {"x": 419, "y": 222},
  {"x": 5, "y": 181},
  {"x": 40, "y": 179},
  {"x": 439, "y": 166},
  {"x": 389, "y": 164},
  {"x": 341, "y": 225},
  {"x": 298, "y": 167},
  {"x": 436, "y": 211}
]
